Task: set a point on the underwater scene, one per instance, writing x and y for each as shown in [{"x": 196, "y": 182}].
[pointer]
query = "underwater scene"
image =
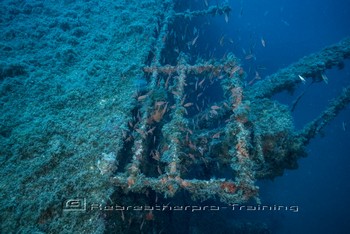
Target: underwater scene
[{"x": 174, "y": 116}]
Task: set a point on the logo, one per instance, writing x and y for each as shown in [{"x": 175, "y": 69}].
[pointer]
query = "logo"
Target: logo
[{"x": 78, "y": 204}]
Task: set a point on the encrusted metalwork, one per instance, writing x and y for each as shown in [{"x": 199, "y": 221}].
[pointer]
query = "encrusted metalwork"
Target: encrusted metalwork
[{"x": 218, "y": 150}]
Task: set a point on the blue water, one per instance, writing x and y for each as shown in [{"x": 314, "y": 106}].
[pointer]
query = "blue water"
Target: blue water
[{"x": 291, "y": 30}]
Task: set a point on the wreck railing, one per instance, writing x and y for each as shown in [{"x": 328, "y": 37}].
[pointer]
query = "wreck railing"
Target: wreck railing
[
  {"x": 239, "y": 190},
  {"x": 168, "y": 142}
]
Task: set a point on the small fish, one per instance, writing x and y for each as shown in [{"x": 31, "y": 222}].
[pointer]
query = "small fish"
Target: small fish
[
  {"x": 155, "y": 155},
  {"x": 285, "y": 23},
  {"x": 165, "y": 109},
  {"x": 191, "y": 156},
  {"x": 175, "y": 140},
  {"x": 261, "y": 67},
  {"x": 195, "y": 39},
  {"x": 192, "y": 146},
  {"x": 234, "y": 70},
  {"x": 143, "y": 222},
  {"x": 160, "y": 103},
  {"x": 215, "y": 107},
  {"x": 200, "y": 83},
  {"x": 150, "y": 131},
  {"x": 251, "y": 82},
  {"x": 188, "y": 104},
  {"x": 263, "y": 43},
  {"x": 324, "y": 78},
  {"x": 216, "y": 135},
  {"x": 129, "y": 139},
  {"x": 183, "y": 99},
  {"x": 221, "y": 42},
  {"x": 214, "y": 112},
  {"x": 159, "y": 171},
  {"x": 257, "y": 76},
  {"x": 142, "y": 133},
  {"x": 344, "y": 126},
  {"x": 249, "y": 56},
  {"x": 175, "y": 93},
  {"x": 226, "y": 17},
  {"x": 302, "y": 79},
  {"x": 141, "y": 98},
  {"x": 167, "y": 82},
  {"x": 226, "y": 105}
]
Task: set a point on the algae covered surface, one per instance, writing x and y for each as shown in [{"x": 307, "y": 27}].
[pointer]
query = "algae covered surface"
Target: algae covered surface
[{"x": 67, "y": 86}]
